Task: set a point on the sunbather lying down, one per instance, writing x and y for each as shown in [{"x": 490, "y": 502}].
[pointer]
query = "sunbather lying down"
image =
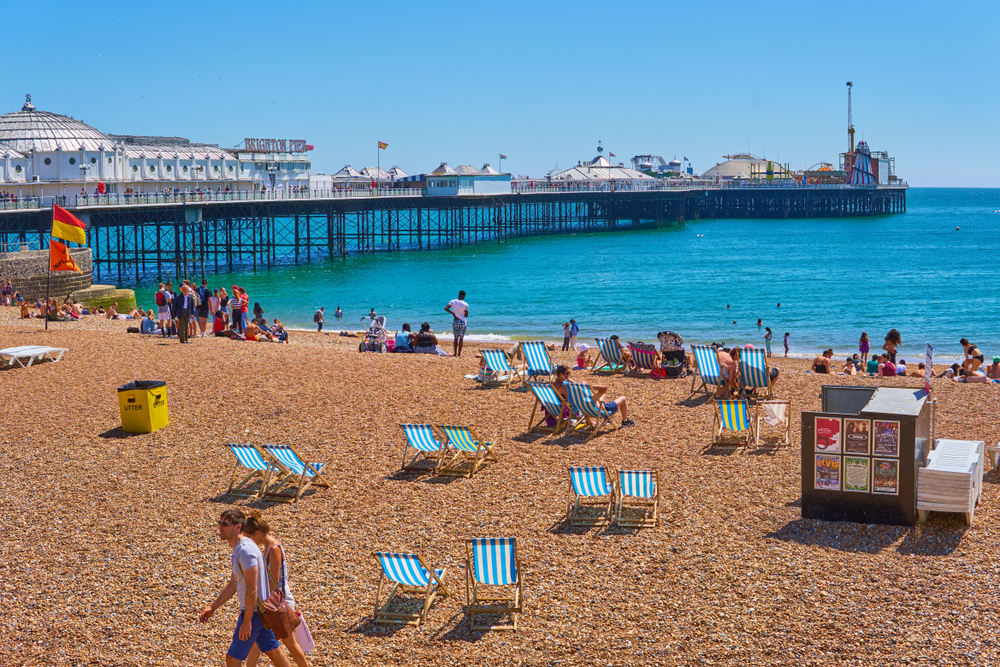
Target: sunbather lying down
[{"x": 483, "y": 369}]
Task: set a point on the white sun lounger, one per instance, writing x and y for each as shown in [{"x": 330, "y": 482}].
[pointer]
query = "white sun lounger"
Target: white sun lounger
[{"x": 31, "y": 354}]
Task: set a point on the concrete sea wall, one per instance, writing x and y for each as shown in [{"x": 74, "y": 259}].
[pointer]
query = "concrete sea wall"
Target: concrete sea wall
[{"x": 28, "y": 273}]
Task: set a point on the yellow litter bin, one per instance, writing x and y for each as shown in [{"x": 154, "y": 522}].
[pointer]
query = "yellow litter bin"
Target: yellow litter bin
[{"x": 143, "y": 405}]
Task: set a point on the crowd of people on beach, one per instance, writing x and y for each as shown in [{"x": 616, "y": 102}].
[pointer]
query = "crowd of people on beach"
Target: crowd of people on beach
[{"x": 186, "y": 314}]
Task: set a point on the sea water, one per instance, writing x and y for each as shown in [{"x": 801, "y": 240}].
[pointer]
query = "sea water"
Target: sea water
[{"x": 930, "y": 273}]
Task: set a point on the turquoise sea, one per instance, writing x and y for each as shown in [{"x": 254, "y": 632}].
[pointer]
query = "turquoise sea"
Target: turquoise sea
[{"x": 834, "y": 278}]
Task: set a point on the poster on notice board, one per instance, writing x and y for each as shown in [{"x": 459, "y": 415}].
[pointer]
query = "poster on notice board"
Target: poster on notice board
[
  {"x": 827, "y": 435},
  {"x": 857, "y": 436},
  {"x": 827, "y": 474},
  {"x": 886, "y": 438},
  {"x": 885, "y": 476},
  {"x": 857, "y": 474}
]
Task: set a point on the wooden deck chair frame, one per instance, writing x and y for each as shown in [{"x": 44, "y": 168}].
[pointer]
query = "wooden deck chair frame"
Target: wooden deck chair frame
[
  {"x": 540, "y": 345},
  {"x": 577, "y": 514},
  {"x": 602, "y": 363},
  {"x": 494, "y": 376},
  {"x": 311, "y": 475},
  {"x": 435, "y": 586},
  {"x": 477, "y": 604},
  {"x": 455, "y": 466},
  {"x": 765, "y": 392},
  {"x": 602, "y": 418},
  {"x": 424, "y": 461},
  {"x": 703, "y": 388},
  {"x": 634, "y": 368},
  {"x": 271, "y": 480},
  {"x": 786, "y": 440},
  {"x": 736, "y": 439},
  {"x": 540, "y": 425},
  {"x": 650, "y": 507},
  {"x": 280, "y": 477}
]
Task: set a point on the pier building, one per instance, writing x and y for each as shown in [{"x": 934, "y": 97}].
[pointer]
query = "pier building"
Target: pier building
[{"x": 49, "y": 154}]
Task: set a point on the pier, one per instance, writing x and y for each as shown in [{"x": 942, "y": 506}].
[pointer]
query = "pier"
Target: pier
[{"x": 148, "y": 237}]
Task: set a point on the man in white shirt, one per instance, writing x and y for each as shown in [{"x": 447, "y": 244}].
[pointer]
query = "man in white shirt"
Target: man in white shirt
[
  {"x": 459, "y": 310},
  {"x": 249, "y": 583}
]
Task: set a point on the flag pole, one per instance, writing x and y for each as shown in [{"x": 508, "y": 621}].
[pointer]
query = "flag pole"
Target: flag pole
[{"x": 48, "y": 271}]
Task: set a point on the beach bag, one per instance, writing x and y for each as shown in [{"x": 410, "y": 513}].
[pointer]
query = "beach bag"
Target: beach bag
[
  {"x": 132, "y": 330},
  {"x": 160, "y": 300},
  {"x": 274, "y": 612}
]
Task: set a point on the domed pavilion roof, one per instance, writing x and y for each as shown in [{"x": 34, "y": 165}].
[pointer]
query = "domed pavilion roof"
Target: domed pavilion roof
[{"x": 46, "y": 132}]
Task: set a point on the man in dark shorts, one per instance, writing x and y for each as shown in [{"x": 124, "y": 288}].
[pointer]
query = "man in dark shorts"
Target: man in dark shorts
[
  {"x": 203, "y": 305},
  {"x": 249, "y": 577},
  {"x": 620, "y": 403}
]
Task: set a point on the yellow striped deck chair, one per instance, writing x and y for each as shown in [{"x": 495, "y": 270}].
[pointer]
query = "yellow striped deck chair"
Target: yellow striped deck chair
[
  {"x": 469, "y": 452},
  {"x": 733, "y": 425}
]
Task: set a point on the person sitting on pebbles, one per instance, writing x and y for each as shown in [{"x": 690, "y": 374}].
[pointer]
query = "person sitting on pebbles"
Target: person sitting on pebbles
[
  {"x": 611, "y": 407},
  {"x": 821, "y": 364}
]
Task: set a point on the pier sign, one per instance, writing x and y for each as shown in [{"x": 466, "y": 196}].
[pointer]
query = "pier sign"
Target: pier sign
[{"x": 276, "y": 145}]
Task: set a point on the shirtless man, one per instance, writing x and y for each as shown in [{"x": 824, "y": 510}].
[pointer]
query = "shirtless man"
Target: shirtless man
[{"x": 729, "y": 370}]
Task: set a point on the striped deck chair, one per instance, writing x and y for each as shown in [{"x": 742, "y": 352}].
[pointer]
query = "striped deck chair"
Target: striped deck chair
[
  {"x": 537, "y": 358},
  {"x": 553, "y": 408},
  {"x": 581, "y": 399},
  {"x": 643, "y": 358},
  {"x": 709, "y": 371},
  {"x": 755, "y": 376},
  {"x": 591, "y": 490},
  {"x": 411, "y": 577},
  {"x": 492, "y": 561},
  {"x": 259, "y": 465},
  {"x": 469, "y": 452},
  {"x": 610, "y": 358},
  {"x": 295, "y": 469},
  {"x": 733, "y": 415},
  {"x": 498, "y": 366},
  {"x": 638, "y": 494},
  {"x": 777, "y": 414},
  {"x": 429, "y": 452}
]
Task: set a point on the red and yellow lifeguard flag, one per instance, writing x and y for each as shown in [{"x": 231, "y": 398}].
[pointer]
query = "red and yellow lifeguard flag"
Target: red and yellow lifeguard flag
[
  {"x": 67, "y": 226},
  {"x": 59, "y": 259},
  {"x": 383, "y": 145}
]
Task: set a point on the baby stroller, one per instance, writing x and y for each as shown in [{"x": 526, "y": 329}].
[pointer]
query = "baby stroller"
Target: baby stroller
[
  {"x": 672, "y": 352},
  {"x": 374, "y": 338}
]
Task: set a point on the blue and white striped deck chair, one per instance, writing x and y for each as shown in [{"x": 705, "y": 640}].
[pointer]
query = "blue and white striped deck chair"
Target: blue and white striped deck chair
[
  {"x": 429, "y": 451},
  {"x": 591, "y": 490},
  {"x": 249, "y": 458},
  {"x": 411, "y": 577},
  {"x": 537, "y": 358},
  {"x": 638, "y": 499},
  {"x": 610, "y": 358},
  {"x": 755, "y": 376},
  {"x": 469, "y": 452},
  {"x": 709, "y": 371},
  {"x": 581, "y": 399},
  {"x": 492, "y": 561},
  {"x": 554, "y": 409},
  {"x": 294, "y": 469},
  {"x": 732, "y": 415},
  {"x": 498, "y": 368}
]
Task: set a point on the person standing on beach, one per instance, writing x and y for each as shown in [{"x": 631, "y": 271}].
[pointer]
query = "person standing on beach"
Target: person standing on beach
[
  {"x": 574, "y": 331},
  {"x": 204, "y": 306},
  {"x": 244, "y": 308},
  {"x": 163, "y": 308},
  {"x": 249, "y": 583},
  {"x": 767, "y": 341},
  {"x": 319, "y": 320},
  {"x": 786, "y": 344},
  {"x": 565, "y": 346},
  {"x": 459, "y": 310},
  {"x": 183, "y": 312},
  {"x": 234, "y": 306},
  {"x": 864, "y": 345},
  {"x": 892, "y": 341}
]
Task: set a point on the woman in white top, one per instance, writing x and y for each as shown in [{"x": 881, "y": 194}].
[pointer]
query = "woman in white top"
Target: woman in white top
[{"x": 258, "y": 530}]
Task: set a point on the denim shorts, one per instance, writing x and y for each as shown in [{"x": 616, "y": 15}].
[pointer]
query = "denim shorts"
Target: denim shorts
[
  {"x": 611, "y": 407},
  {"x": 259, "y": 635}
]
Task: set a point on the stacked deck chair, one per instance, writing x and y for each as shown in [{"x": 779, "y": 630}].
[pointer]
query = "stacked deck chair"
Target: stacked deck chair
[
  {"x": 709, "y": 371},
  {"x": 638, "y": 499},
  {"x": 733, "y": 415},
  {"x": 755, "y": 376},
  {"x": 553, "y": 417},
  {"x": 410, "y": 577},
  {"x": 429, "y": 451},
  {"x": 468, "y": 454},
  {"x": 31, "y": 354},
  {"x": 537, "y": 358},
  {"x": 643, "y": 359},
  {"x": 257, "y": 472},
  {"x": 492, "y": 562},
  {"x": 581, "y": 399},
  {"x": 294, "y": 469},
  {"x": 498, "y": 369},
  {"x": 591, "y": 491},
  {"x": 610, "y": 358}
]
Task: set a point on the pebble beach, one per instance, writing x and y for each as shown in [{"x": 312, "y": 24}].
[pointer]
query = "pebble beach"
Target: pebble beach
[{"x": 111, "y": 546}]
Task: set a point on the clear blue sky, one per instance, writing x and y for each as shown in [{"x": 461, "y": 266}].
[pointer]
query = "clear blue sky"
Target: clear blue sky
[{"x": 542, "y": 83}]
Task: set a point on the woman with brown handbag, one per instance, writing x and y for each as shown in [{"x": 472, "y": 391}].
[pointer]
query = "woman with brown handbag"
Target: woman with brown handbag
[{"x": 259, "y": 530}]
